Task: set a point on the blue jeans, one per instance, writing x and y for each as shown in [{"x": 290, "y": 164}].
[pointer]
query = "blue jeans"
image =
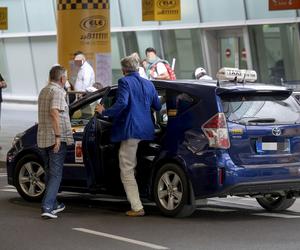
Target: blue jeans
[{"x": 54, "y": 163}]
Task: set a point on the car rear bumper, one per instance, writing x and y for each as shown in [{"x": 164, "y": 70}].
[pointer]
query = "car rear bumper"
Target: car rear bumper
[
  {"x": 291, "y": 187},
  {"x": 244, "y": 180}
]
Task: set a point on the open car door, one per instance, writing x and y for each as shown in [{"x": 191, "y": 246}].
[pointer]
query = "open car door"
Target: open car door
[{"x": 100, "y": 155}]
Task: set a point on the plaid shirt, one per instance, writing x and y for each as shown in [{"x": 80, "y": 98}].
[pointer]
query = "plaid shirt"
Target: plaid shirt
[{"x": 53, "y": 97}]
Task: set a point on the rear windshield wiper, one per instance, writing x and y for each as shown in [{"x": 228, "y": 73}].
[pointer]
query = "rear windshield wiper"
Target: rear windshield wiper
[{"x": 262, "y": 120}]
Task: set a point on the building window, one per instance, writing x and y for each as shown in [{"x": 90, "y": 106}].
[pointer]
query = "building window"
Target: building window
[
  {"x": 185, "y": 47},
  {"x": 275, "y": 51}
]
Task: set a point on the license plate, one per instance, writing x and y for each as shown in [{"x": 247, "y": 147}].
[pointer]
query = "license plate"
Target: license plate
[{"x": 262, "y": 147}]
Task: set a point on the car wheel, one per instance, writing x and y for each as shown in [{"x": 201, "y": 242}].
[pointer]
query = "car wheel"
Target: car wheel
[
  {"x": 275, "y": 203},
  {"x": 30, "y": 178},
  {"x": 171, "y": 191}
]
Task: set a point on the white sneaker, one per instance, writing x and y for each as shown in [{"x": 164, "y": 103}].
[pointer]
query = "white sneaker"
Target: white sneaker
[
  {"x": 49, "y": 215},
  {"x": 61, "y": 207}
]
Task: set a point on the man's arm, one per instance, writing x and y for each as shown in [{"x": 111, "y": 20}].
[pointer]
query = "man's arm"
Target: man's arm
[
  {"x": 156, "y": 105},
  {"x": 163, "y": 76},
  {"x": 121, "y": 102},
  {"x": 57, "y": 105},
  {"x": 54, "y": 114},
  {"x": 88, "y": 78}
]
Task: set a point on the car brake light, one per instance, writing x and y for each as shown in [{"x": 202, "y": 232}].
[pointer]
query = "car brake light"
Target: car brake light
[
  {"x": 216, "y": 131},
  {"x": 221, "y": 174}
]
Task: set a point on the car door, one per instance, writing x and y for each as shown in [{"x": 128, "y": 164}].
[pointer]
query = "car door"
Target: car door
[
  {"x": 100, "y": 155},
  {"x": 81, "y": 112}
]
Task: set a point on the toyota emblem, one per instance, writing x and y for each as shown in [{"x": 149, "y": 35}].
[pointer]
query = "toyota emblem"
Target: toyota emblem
[{"x": 276, "y": 131}]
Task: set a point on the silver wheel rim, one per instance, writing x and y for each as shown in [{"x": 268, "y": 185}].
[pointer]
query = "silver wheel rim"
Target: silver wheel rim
[
  {"x": 32, "y": 179},
  {"x": 170, "y": 190}
]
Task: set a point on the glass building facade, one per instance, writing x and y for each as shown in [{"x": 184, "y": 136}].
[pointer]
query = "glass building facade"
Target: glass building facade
[{"x": 211, "y": 33}]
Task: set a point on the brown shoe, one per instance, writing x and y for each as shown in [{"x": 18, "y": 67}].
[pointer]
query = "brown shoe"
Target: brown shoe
[{"x": 133, "y": 213}]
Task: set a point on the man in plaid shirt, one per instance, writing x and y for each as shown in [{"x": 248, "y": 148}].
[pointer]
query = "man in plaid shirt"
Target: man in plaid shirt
[{"x": 54, "y": 134}]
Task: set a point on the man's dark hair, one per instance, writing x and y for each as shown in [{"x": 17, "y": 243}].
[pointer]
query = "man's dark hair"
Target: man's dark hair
[
  {"x": 56, "y": 72},
  {"x": 150, "y": 49}
]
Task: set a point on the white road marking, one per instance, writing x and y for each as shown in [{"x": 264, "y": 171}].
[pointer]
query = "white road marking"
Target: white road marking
[
  {"x": 3, "y": 175},
  {"x": 115, "y": 237},
  {"x": 284, "y": 216},
  {"x": 8, "y": 190}
]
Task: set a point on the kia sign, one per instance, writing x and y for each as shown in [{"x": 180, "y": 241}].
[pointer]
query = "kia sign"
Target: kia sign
[
  {"x": 161, "y": 10},
  {"x": 93, "y": 23},
  {"x": 284, "y": 4}
]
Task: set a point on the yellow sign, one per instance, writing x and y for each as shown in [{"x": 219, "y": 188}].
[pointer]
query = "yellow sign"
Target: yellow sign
[
  {"x": 161, "y": 10},
  {"x": 84, "y": 25},
  {"x": 3, "y": 18}
]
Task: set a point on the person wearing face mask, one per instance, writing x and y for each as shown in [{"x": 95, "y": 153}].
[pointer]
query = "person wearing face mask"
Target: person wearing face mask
[
  {"x": 53, "y": 136},
  {"x": 132, "y": 122},
  {"x": 86, "y": 75},
  {"x": 157, "y": 68}
]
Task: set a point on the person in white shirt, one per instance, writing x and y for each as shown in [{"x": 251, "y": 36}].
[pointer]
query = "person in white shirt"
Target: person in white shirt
[
  {"x": 200, "y": 74},
  {"x": 156, "y": 68},
  {"x": 86, "y": 75}
]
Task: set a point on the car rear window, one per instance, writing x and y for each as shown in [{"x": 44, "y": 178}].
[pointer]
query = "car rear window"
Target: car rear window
[{"x": 261, "y": 110}]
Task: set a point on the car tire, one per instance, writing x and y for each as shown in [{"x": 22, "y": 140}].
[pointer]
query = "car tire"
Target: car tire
[
  {"x": 276, "y": 203},
  {"x": 172, "y": 192},
  {"x": 29, "y": 178}
]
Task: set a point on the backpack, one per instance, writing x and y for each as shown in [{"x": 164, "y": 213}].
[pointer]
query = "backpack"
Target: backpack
[{"x": 168, "y": 67}]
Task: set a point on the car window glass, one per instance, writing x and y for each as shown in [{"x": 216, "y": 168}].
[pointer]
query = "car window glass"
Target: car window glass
[
  {"x": 161, "y": 116},
  {"x": 82, "y": 115},
  {"x": 242, "y": 110},
  {"x": 178, "y": 102},
  {"x": 110, "y": 99}
]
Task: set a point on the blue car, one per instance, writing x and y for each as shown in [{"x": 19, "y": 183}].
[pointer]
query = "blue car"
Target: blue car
[{"x": 212, "y": 139}]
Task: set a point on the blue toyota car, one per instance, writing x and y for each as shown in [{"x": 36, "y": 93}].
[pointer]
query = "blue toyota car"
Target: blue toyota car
[{"x": 213, "y": 139}]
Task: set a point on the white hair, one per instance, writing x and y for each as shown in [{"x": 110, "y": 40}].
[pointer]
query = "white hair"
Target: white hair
[{"x": 130, "y": 64}]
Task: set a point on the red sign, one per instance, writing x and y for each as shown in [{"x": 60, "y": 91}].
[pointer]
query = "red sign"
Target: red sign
[{"x": 284, "y": 4}]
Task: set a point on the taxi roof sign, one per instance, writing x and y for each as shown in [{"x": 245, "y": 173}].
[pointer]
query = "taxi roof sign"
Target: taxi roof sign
[{"x": 236, "y": 75}]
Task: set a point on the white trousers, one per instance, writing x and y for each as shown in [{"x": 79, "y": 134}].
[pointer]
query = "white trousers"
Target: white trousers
[{"x": 128, "y": 162}]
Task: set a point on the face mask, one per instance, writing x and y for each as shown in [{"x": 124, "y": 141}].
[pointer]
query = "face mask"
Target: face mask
[{"x": 151, "y": 60}]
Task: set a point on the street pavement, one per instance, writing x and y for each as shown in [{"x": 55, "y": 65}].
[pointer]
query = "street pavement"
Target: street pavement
[
  {"x": 96, "y": 222},
  {"x": 93, "y": 222}
]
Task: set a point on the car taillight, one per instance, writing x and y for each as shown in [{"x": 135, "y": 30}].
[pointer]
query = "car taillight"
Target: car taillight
[
  {"x": 221, "y": 175},
  {"x": 216, "y": 131}
]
